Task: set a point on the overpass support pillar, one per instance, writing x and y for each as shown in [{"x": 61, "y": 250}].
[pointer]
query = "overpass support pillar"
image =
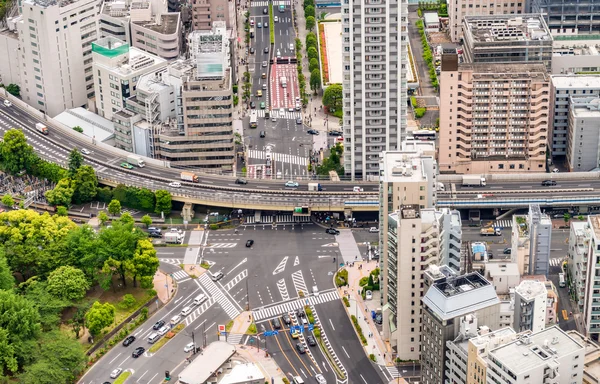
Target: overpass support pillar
[{"x": 187, "y": 213}]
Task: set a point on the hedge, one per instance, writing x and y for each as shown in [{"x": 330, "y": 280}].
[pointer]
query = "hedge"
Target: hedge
[{"x": 359, "y": 330}]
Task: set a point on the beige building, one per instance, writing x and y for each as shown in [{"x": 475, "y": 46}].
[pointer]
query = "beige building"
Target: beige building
[
  {"x": 478, "y": 348},
  {"x": 457, "y": 9},
  {"x": 494, "y": 117},
  {"x": 205, "y": 12}
]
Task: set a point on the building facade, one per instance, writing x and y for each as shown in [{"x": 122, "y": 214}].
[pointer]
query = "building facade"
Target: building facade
[
  {"x": 531, "y": 240},
  {"x": 583, "y": 154},
  {"x": 569, "y": 18},
  {"x": 458, "y": 9},
  {"x": 530, "y": 306},
  {"x": 494, "y": 117},
  {"x": 205, "y": 12},
  {"x": 56, "y": 52},
  {"x": 375, "y": 56}
]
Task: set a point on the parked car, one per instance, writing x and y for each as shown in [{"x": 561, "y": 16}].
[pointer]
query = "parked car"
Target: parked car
[
  {"x": 139, "y": 351},
  {"x": 175, "y": 230},
  {"x": 335, "y": 133},
  {"x": 154, "y": 229},
  {"x": 252, "y": 104},
  {"x": 373, "y": 230},
  {"x": 249, "y": 243},
  {"x": 369, "y": 295},
  {"x": 128, "y": 341},
  {"x": 320, "y": 379},
  {"x": 154, "y": 234},
  {"x": 555, "y": 170},
  {"x": 332, "y": 231},
  {"x": 292, "y": 184},
  {"x": 115, "y": 373},
  {"x": 300, "y": 348},
  {"x": 310, "y": 340},
  {"x": 158, "y": 325},
  {"x": 252, "y": 50},
  {"x": 189, "y": 347},
  {"x": 379, "y": 318}
]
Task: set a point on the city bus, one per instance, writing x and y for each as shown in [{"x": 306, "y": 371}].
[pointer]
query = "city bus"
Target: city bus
[
  {"x": 423, "y": 134},
  {"x": 253, "y": 119}
]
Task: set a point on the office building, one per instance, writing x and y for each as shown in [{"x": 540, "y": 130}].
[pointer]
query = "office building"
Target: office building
[
  {"x": 583, "y": 142},
  {"x": 375, "y": 59},
  {"x": 10, "y": 60},
  {"x": 449, "y": 305},
  {"x": 563, "y": 88},
  {"x": 503, "y": 276},
  {"x": 458, "y": 9},
  {"x": 575, "y": 56},
  {"x": 580, "y": 234},
  {"x": 56, "y": 53},
  {"x": 547, "y": 356},
  {"x": 568, "y": 18},
  {"x": 206, "y": 12},
  {"x": 498, "y": 39},
  {"x": 494, "y": 117},
  {"x": 531, "y": 240},
  {"x": 551, "y": 298},
  {"x": 117, "y": 68},
  {"x": 530, "y": 306},
  {"x": 478, "y": 348}
]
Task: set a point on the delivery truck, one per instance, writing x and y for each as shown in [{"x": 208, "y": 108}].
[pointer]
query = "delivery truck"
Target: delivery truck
[
  {"x": 473, "y": 181},
  {"x": 314, "y": 187},
  {"x": 490, "y": 232},
  {"x": 41, "y": 128},
  {"x": 189, "y": 176},
  {"x": 136, "y": 160},
  {"x": 173, "y": 237}
]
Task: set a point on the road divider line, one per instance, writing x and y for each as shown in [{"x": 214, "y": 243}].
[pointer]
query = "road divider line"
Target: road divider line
[
  {"x": 110, "y": 362},
  {"x": 345, "y": 351}
]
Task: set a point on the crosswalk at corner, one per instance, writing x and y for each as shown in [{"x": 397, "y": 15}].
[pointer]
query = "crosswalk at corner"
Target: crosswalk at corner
[
  {"x": 229, "y": 308},
  {"x": 285, "y": 115},
  {"x": 234, "y": 338},
  {"x": 393, "y": 371},
  {"x": 556, "y": 262},
  {"x": 198, "y": 311},
  {"x": 180, "y": 276},
  {"x": 172, "y": 261},
  {"x": 291, "y": 306},
  {"x": 503, "y": 224}
]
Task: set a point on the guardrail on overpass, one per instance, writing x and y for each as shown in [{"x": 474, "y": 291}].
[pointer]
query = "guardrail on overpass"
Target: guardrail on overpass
[{"x": 558, "y": 201}]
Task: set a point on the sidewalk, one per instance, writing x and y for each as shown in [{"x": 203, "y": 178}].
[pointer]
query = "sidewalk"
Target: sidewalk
[
  {"x": 163, "y": 285},
  {"x": 266, "y": 364}
]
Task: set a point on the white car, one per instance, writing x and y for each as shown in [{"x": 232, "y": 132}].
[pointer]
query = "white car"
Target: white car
[
  {"x": 114, "y": 374},
  {"x": 163, "y": 330},
  {"x": 292, "y": 184},
  {"x": 175, "y": 184},
  {"x": 315, "y": 290},
  {"x": 189, "y": 347},
  {"x": 85, "y": 151},
  {"x": 281, "y": 112},
  {"x": 320, "y": 379},
  {"x": 175, "y": 319},
  {"x": 175, "y": 230},
  {"x": 275, "y": 19},
  {"x": 369, "y": 295},
  {"x": 373, "y": 230},
  {"x": 7, "y": 103},
  {"x": 555, "y": 170}
]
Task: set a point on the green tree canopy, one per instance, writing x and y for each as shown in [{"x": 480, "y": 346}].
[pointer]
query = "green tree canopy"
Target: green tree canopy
[
  {"x": 17, "y": 155},
  {"x": 114, "y": 207},
  {"x": 144, "y": 262},
  {"x": 309, "y": 11},
  {"x": 126, "y": 218},
  {"x": 62, "y": 193},
  {"x": 48, "y": 306},
  {"x": 14, "y": 90},
  {"x": 75, "y": 161},
  {"x": 84, "y": 184},
  {"x": 99, "y": 317},
  {"x": 163, "y": 202},
  {"x": 7, "y": 280},
  {"x": 313, "y": 64},
  {"x": 147, "y": 220},
  {"x": 82, "y": 249},
  {"x": 102, "y": 217},
  {"x": 312, "y": 53},
  {"x": 7, "y": 200},
  {"x": 310, "y": 23},
  {"x": 315, "y": 79},
  {"x": 333, "y": 96},
  {"x": 68, "y": 283},
  {"x": 117, "y": 247}
]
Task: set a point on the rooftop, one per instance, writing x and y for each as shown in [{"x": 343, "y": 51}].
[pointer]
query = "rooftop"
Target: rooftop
[
  {"x": 243, "y": 373},
  {"x": 153, "y": 82},
  {"x": 535, "y": 349},
  {"x": 204, "y": 366},
  {"x": 431, "y": 18},
  {"x": 583, "y": 50},
  {"x": 499, "y": 71},
  {"x": 591, "y": 368},
  {"x": 491, "y": 340},
  {"x": 530, "y": 289},
  {"x": 123, "y": 59},
  {"x": 577, "y": 82},
  {"x": 506, "y": 28},
  {"x": 457, "y": 296},
  {"x": 435, "y": 272},
  {"x": 585, "y": 106},
  {"x": 168, "y": 23},
  {"x": 403, "y": 166},
  {"x": 92, "y": 124},
  {"x": 595, "y": 221},
  {"x": 502, "y": 269}
]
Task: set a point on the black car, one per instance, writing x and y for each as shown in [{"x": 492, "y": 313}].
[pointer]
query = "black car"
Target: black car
[
  {"x": 332, "y": 231},
  {"x": 266, "y": 49},
  {"x": 335, "y": 133},
  {"x": 252, "y": 104},
  {"x": 138, "y": 352},
  {"x": 249, "y": 243},
  {"x": 300, "y": 348},
  {"x": 265, "y": 11},
  {"x": 159, "y": 324},
  {"x": 312, "y": 132},
  {"x": 154, "y": 234},
  {"x": 311, "y": 341},
  {"x": 252, "y": 50},
  {"x": 548, "y": 183},
  {"x": 128, "y": 341},
  {"x": 241, "y": 181},
  {"x": 300, "y": 313},
  {"x": 287, "y": 319},
  {"x": 276, "y": 323}
]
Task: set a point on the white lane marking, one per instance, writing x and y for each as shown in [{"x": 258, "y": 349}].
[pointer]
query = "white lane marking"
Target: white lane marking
[
  {"x": 345, "y": 351},
  {"x": 110, "y": 362},
  {"x": 330, "y": 322},
  {"x": 361, "y": 376}
]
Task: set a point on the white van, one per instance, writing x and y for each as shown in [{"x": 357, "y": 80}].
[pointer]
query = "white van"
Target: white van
[
  {"x": 201, "y": 298},
  {"x": 153, "y": 338},
  {"x": 298, "y": 380},
  {"x": 186, "y": 311},
  {"x": 357, "y": 189},
  {"x": 561, "y": 280}
]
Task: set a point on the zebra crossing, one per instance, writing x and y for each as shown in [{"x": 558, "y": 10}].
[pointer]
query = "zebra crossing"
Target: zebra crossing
[
  {"x": 198, "y": 311},
  {"x": 234, "y": 338},
  {"x": 291, "y": 306},
  {"x": 503, "y": 223},
  {"x": 219, "y": 296},
  {"x": 171, "y": 261},
  {"x": 180, "y": 276},
  {"x": 283, "y": 290},
  {"x": 281, "y": 157},
  {"x": 236, "y": 280},
  {"x": 280, "y": 219},
  {"x": 222, "y": 245},
  {"x": 286, "y": 114},
  {"x": 556, "y": 262},
  {"x": 393, "y": 371},
  {"x": 299, "y": 283}
]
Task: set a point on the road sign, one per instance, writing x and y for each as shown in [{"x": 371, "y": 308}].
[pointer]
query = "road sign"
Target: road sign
[
  {"x": 271, "y": 333},
  {"x": 311, "y": 326},
  {"x": 222, "y": 330}
]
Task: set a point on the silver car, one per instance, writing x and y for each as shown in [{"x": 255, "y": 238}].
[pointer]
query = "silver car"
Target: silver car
[{"x": 114, "y": 374}]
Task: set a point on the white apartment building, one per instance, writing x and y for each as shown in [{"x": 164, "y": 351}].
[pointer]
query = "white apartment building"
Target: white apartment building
[
  {"x": 583, "y": 143},
  {"x": 530, "y": 306},
  {"x": 56, "y": 53},
  {"x": 10, "y": 60},
  {"x": 117, "y": 69},
  {"x": 547, "y": 356},
  {"x": 563, "y": 87},
  {"x": 458, "y": 9},
  {"x": 375, "y": 59},
  {"x": 570, "y": 57},
  {"x": 531, "y": 235}
]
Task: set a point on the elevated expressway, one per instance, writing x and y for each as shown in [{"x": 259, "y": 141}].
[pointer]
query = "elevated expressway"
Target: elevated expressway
[{"x": 502, "y": 191}]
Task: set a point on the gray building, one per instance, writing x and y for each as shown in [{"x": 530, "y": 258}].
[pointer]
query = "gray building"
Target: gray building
[
  {"x": 583, "y": 144},
  {"x": 540, "y": 239},
  {"x": 448, "y": 303},
  {"x": 530, "y": 299},
  {"x": 507, "y": 39},
  {"x": 563, "y": 88},
  {"x": 374, "y": 39},
  {"x": 569, "y": 17}
]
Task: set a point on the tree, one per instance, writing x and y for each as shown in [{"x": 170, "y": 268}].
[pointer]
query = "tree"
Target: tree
[
  {"x": 62, "y": 211},
  {"x": 77, "y": 128},
  {"x": 61, "y": 194},
  {"x": 75, "y": 161},
  {"x": 84, "y": 184},
  {"x": 99, "y": 317},
  {"x": 163, "y": 202},
  {"x": 147, "y": 220},
  {"x": 144, "y": 262},
  {"x": 7, "y": 351},
  {"x": 7, "y": 281},
  {"x": 126, "y": 218},
  {"x": 313, "y": 64},
  {"x": 310, "y": 23},
  {"x": 309, "y": 11},
  {"x": 8, "y": 200},
  {"x": 117, "y": 246},
  {"x": 17, "y": 155},
  {"x": 312, "y": 53},
  {"x": 14, "y": 90},
  {"x": 82, "y": 249},
  {"x": 48, "y": 306},
  {"x": 567, "y": 217},
  {"x": 333, "y": 96},
  {"x": 78, "y": 321},
  {"x": 102, "y": 217},
  {"x": 68, "y": 283},
  {"x": 114, "y": 207},
  {"x": 315, "y": 80},
  {"x": 307, "y": 3}
]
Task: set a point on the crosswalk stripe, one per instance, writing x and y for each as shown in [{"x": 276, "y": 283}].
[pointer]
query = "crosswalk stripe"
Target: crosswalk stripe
[
  {"x": 286, "y": 115},
  {"x": 219, "y": 296},
  {"x": 234, "y": 338},
  {"x": 198, "y": 311},
  {"x": 556, "y": 262},
  {"x": 223, "y": 245},
  {"x": 280, "y": 219},
  {"x": 180, "y": 275},
  {"x": 280, "y": 157},
  {"x": 503, "y": 223},
  {"x": 236, "y": 280},
  {"x": 291, "y": 306}
]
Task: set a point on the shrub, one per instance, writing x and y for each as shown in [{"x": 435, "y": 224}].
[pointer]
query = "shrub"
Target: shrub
[
  {"x": 214, "y": 227},
  {"x": 372, "y": 357},
  {"x": 317, "y": 331},
  {"x": 346, "y": 301},
  {"x": 285, "y": 380},
  {"x": 413, "y": 101},
  {"x": 363, "y": 281},
  {"x": 420, "y": 112},
  {"x": 341, "y": 278},
  {"x": 359, "y": 330}
]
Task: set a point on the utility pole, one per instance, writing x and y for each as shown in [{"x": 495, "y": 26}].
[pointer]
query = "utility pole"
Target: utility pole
[{"x": 194, "y": 342}]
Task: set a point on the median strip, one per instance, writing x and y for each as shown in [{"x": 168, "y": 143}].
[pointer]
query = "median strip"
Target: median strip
[{"x": 171, "y": 334}]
